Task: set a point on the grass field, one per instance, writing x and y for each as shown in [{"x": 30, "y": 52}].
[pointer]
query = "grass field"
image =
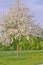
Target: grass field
[{"x": 25, "y": 58}]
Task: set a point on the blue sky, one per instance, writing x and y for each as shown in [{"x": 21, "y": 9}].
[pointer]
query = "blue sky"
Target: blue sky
[{"x": 35, "y": 6}]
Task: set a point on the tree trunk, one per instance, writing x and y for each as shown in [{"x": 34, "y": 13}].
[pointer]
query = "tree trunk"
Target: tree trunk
[
  {"x": 17, "y": 50},
  {"x": 13, "y": 49}
]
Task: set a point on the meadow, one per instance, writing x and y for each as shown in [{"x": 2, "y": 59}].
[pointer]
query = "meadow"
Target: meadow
[{"x": 31, "y": 57}]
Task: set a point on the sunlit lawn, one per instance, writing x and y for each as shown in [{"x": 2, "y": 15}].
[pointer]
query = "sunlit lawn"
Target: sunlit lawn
[{"x": 25, "y": 58}]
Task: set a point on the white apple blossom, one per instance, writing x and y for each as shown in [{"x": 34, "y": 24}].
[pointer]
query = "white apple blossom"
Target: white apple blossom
[{"x": 17, "y": 22}]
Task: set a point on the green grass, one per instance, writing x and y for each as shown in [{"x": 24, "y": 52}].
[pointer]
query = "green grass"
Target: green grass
[{"x": 25, "y": 58}]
